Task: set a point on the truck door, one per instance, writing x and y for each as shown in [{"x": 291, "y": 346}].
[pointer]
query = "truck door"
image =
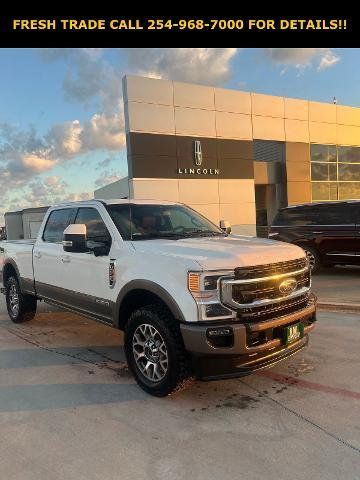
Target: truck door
[
  {"x": 47, "y": 251},
  {"x": 84, "y": 276},
  {"x": 336, "y": 237}
]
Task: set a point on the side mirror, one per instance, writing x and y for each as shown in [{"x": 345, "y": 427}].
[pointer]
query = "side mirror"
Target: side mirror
[
  {"x": 225, "y": 226},
  {"x": 75, "y": 238}
]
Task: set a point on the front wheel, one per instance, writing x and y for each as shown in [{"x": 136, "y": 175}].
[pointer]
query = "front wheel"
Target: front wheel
[
  {"x": 313, "y": 258},
  {"x": 21, "y": 308},
  {"x": 155, "y": 352}
]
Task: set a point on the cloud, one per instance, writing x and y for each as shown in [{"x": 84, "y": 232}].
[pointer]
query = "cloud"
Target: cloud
[
  {"x": 25, "y": 154},
  {"x": 89, "y": 77},
  {"x": 210, "y": 66},
  {"x": 104, "y": 131},
  {"x": 106, "y": 178},
  {"x": 302, "y": 58},
  {"x": 101, "y": 132},
  {"x": 104, "y": 163},
  {"x": 328, "y": 60},
  {"x": 36, "y": 163}
]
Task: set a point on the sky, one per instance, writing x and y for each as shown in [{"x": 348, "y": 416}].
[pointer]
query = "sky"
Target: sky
[{"x": 61, "y": 110}]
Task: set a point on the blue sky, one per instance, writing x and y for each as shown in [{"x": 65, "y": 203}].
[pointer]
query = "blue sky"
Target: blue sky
[{"x": 61, "y": 120}]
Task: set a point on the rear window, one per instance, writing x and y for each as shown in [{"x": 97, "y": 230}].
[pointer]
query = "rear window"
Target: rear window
[{"x": 339, "y": 214}]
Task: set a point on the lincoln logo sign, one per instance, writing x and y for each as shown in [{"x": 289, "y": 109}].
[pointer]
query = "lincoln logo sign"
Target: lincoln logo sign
[
  {"x": 288, "y": 286},
  {"x": 197, "y": 153},
  {"x": 198, "y": 158}
]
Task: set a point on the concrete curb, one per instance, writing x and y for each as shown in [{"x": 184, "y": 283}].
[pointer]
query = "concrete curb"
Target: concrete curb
[{"x": 339, "y": 307}]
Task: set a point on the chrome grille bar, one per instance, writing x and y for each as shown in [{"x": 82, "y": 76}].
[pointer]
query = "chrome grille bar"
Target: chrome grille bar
[{"x": 226, "y": 290}]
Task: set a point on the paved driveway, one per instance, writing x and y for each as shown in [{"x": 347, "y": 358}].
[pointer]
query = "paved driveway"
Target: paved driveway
[
  {"x": 338, "y": 284},
  {"x": 70, "y": 410}
]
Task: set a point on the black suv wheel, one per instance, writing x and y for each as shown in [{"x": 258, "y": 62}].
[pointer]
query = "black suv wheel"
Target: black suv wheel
[
  {"x": 20, "y": 307},
  {"x": 313, "y": 257},
  {"x": 155, "y": 352}
]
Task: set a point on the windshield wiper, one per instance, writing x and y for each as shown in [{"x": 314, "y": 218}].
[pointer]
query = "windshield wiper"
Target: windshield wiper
[{"x": 205, "y": 233}]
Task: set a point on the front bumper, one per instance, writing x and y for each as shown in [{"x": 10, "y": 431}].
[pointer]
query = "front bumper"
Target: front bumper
[{"x": 252, "y": 346}]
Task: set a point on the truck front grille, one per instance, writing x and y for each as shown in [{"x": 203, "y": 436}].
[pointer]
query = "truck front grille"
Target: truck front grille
[
  {"x": 268, "y": 270},
  {"x": 268, "y": 289},
  {"x": 273, "y": 310},
  {"x": 259, "y": 291}
]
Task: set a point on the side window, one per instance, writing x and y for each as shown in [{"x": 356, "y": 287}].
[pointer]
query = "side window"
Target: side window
[
  {"x": 340, "y": 214},
  {"x": 337, "y": 214},
  {"x": 56, "y": 224},
  {"x": 96, "y": 231},
  {"x": 298, "y": 216}
]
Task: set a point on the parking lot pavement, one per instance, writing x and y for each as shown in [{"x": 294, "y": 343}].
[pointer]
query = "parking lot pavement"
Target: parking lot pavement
[
  {"x": 340, "y": 284},
  {"x": 70, "y": 410}
]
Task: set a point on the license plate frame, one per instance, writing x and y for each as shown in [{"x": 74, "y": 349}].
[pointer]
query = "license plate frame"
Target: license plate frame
[{"x": 292, "y": 333}]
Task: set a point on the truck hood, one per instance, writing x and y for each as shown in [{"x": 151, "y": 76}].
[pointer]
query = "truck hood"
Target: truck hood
[{"x": 213, "y": 253}]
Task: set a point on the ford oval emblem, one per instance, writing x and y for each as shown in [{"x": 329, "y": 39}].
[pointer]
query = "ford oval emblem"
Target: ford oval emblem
[{"x": 288, "y": 286}]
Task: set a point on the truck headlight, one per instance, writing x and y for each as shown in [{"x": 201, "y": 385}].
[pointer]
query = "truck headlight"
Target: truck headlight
[{"x": 204, "y": 287}]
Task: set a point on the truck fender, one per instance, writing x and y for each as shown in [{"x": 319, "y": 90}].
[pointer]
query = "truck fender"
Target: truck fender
[
  {"x": 26, "y": 285},
  {"x": 150, "y": 287}
]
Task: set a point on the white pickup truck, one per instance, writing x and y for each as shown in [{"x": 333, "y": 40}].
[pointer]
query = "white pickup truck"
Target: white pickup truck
[{"x": 192, "y": 299}]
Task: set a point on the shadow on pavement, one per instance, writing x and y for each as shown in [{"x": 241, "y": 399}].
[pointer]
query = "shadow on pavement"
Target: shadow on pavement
[{"x": 14, "y": 398}]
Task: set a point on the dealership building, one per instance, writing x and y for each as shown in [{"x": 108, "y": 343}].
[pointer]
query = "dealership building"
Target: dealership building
[{"x": 235, "y": 155}]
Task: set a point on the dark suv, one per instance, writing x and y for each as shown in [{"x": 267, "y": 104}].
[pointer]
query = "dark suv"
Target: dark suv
[{"x": 329, "y": 232}]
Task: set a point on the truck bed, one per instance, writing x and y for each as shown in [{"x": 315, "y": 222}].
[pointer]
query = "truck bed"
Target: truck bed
[{"x": 19, "y": 252}]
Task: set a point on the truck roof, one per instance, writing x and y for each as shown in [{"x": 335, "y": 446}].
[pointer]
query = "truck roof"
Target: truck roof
[{"x": 326, "y": 202}]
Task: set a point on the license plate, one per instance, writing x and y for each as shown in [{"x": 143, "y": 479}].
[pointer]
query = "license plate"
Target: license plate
[{"x": 293, "y": 333}]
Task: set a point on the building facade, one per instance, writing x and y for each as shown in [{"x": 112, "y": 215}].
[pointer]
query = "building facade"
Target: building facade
[{"x": 235, "y": 155}]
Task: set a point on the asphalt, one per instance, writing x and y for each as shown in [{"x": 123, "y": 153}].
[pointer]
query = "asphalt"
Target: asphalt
[
  {"x": 338, "y": 285},
  {"x": 69, "y": 409}
]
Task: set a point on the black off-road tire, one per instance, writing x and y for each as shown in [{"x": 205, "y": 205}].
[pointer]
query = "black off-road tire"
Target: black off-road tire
[
  {"x": 26, "y": 304},
  {"x": 314, "y": 258},
  {"x": 179, "y": 371}
]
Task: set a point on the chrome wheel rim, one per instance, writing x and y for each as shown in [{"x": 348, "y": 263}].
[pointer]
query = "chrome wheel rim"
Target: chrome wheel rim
[
  {"x": 311, "y": 258},
  {"x": 14, "y": 300},
  {"x": 150, "y": 352}
]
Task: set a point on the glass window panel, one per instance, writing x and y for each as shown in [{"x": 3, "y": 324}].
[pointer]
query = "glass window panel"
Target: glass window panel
[
  {"x": 56, "y": 224},
  {"x": 297, "y": 216},
  {"x": 319, "y": 171},
  {"x": 332, "y": 171},
  {"x": 349, "y": 191},
  {"x": 323, "y": 153},
  {"x": 96, "y": 230},
  {"x": 335, "y": 214},
  {"x": 349, "y": 154},
  {"x": 320, "y": 191},
  {"x": 348, "y": 172},
  {"x": 323, "y": 171}
]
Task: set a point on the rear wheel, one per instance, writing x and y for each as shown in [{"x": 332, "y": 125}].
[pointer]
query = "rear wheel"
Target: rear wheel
[
  {"x": 155, "y": 352},
  {"x": 313, "y": 258},
  {"x": 20, "y": 307}
]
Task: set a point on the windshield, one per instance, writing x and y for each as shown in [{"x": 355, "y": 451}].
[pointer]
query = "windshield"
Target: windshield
[{"x": 146, "y": 222}]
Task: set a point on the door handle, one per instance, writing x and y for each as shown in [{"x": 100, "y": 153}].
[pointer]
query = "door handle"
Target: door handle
[
  {"x": 65, "y": 259},
  {"x": 37, "y": 254},
  {"x": 318, "y": 232}
]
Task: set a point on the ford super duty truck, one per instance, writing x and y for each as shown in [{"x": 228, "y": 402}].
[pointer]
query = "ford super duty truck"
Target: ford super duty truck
[{"x": 193, "y": 299}]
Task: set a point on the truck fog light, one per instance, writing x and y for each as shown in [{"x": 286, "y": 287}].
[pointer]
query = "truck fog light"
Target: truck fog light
[{"x": 220, "y": 337}]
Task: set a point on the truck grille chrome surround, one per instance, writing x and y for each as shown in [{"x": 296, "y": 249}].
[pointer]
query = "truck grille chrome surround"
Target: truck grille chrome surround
[{"x": 259, "y": 287}]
